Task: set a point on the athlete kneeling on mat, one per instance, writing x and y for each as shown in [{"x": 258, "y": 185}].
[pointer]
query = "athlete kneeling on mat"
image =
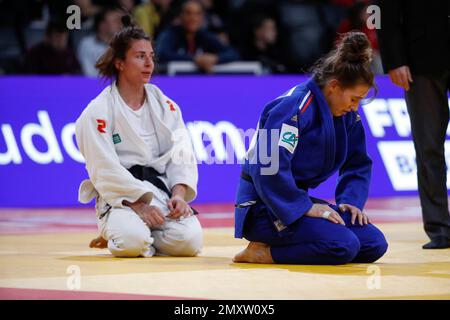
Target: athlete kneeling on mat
[
  {"x": 139, "y": 158},
  {"x": 319, "y": 133}
]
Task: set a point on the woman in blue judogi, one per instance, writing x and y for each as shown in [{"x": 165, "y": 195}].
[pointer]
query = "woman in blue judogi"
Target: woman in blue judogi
[{"x": 309, "y": 133}]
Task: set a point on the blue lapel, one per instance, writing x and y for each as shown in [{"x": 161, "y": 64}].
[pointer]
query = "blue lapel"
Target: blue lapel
[{"x": 327, "y": 118}]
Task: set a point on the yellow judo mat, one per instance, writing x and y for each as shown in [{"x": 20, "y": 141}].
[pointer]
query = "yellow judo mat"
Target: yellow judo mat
[{"x": 62, "y": 261}]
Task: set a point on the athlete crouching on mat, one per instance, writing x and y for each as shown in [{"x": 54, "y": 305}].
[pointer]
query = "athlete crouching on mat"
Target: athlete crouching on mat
[
  {"x": 320, "y": 132},
  {"x": 139, "y": 158}
]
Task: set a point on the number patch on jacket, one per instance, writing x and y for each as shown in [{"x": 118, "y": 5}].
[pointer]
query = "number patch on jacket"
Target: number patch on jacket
[{"x": 101, "y": 125}]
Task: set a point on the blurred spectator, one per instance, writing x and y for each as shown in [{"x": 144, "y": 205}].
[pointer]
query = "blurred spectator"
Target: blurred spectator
[
  {"x": 126, "y": 5},
  {"x": 357, "y": 20},
  {"x": 238, "y": 16},
  {"x": 201, "y": 33},
  {"x": 151, "y": 15},
  {"x": 213, "y": 22},
  {"x": 189, "y": 42},
  {"x": 262, "y": 46},
  {"x": 308, "y": 32},
  {"x": 88, "y": 12},
  {"x": 52, "y": 55},
  {"x": 106, "y": 24}
]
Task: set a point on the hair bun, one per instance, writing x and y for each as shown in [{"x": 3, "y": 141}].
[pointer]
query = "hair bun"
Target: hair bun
[
  {"x": 126, "y": 21},
  {"x": 354, "y": 47}
]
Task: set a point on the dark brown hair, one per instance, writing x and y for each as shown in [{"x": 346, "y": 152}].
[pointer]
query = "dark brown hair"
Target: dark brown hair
[
  {"x": 349, "y": 62},
  {"x": 118, "y": 47}
]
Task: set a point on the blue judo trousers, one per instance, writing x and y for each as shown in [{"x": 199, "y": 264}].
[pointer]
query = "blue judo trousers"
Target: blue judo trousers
[{"x": 306, "y": 145}]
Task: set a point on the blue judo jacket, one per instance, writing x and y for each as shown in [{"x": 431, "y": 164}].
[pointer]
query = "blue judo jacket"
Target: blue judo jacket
[{"x": 307, "y": 145}]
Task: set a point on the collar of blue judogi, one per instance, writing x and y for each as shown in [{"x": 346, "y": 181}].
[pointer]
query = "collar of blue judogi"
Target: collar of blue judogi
[{"x": 327, "y": 118}]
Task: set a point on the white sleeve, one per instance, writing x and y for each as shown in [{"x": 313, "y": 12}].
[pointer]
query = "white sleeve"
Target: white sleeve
[
  {"x": 111, "y": 180},
  {"x": 182, "y": 167}
]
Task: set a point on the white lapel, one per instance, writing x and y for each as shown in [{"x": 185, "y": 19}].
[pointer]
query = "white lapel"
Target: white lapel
[
  {"x": 122, "y": 123},
  {"x": 162, "y": 129}
]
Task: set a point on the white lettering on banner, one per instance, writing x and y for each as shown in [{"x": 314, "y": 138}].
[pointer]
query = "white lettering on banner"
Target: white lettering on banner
[
  {"x": 67, "y": 135},
  {"x": 45, "y": 130},
  {"x": 226, "y": 141},
  {"x": 398, "y": 156},
  {"x": 377, "y": 117},
  {"x": 234, "y": 141},
  {"x": 399, "y": 112},
  {"x": 214, "y": 132},
  {"x": 12, "y": 153},
  {"x": 400, "y": 162},
  {"x": 382, "y": 113}
]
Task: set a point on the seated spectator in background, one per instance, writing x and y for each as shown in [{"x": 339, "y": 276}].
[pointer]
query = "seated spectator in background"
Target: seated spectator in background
[
  {"x": 126, "y": 5},
  {"x": 213, "y": 22},
  {"x": 356, "y": 20},
  {"x": 150, "y": 15},
  {"x": 52, "y": 55},
  {"x": 88, "y": 12},
  {"x": 106, "y": 24},
  {"x": 190, "y": 42},
  {"x": 262, "y": 45}
]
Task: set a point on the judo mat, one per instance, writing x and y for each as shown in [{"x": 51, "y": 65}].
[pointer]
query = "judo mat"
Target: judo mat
[{"x": 44, "y": 254}]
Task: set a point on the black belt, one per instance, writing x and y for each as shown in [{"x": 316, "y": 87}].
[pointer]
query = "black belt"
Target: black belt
[
  {"x": 151, "y": 175},
  {"x": 248, "y": 178}
]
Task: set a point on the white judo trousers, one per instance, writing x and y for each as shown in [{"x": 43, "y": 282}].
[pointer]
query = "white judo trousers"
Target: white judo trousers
[
  {"x": 129, "y": 236},
  {"x": 110, "y": 145}
]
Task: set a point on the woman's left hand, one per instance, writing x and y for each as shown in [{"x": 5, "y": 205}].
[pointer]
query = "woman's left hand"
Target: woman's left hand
[
  {"x": 178, "y": 207},
  {"x": 356, "y": 213}
]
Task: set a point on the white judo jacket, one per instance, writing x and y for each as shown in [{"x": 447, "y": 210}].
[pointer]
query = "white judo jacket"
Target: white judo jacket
[{"x": 110, "y": 145}]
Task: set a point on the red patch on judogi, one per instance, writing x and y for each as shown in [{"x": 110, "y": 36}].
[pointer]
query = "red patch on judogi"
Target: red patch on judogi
[
  {"x": 172, "y": 108},
  {"x": 101, "y": 125}
]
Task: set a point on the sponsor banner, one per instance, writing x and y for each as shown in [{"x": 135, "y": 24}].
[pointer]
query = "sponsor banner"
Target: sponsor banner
[{"x": 40, "y": 165}]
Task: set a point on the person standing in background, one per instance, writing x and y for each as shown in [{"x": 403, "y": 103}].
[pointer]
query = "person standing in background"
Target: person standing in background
[{"x": 414, "y": 41}]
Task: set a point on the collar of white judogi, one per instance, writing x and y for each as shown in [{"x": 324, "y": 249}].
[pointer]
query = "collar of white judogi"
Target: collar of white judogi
[{"x": 157, "y": 108}]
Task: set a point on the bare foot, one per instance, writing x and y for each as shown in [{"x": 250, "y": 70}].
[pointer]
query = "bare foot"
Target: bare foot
[
  {"x": 99, "y": 243},
  {"x": 256, "y": 252}
]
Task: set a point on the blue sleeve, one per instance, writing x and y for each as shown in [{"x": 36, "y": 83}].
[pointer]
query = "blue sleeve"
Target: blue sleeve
[
  {"x": 277, "y": 189},
  {"x": 166, "y": 48},
  {"x": 225, "y": 53},
  {"x": 354, "y": 176}
]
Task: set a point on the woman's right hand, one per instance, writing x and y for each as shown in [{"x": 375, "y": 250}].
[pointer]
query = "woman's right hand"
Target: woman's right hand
[
  {"x": 152, "y": 216},
  {"x": 325, "y": 212}
]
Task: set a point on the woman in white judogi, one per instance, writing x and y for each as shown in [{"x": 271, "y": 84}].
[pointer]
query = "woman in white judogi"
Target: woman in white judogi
[{"x": 139, "y": 158}]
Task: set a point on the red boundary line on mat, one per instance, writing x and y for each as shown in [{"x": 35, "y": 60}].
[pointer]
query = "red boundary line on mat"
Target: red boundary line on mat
[{"x": 44, "y": 294}]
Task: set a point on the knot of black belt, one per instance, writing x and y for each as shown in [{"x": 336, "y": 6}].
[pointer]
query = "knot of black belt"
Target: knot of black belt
[{"x": 151, "y": 175}]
